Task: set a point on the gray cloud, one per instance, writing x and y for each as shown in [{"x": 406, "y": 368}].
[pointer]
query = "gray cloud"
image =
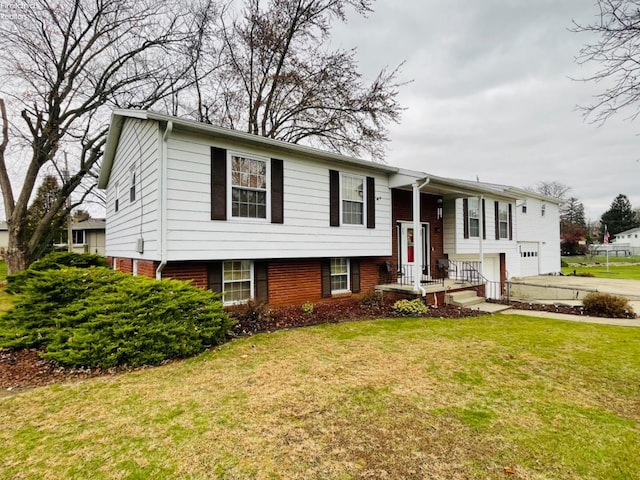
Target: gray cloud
[{"x": 492, "y": 94}]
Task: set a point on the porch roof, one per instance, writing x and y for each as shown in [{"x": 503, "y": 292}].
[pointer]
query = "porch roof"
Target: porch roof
[{"x": 449, "y": 187}]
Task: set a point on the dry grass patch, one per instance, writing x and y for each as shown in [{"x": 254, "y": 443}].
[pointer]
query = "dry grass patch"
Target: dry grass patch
[{"x": 385, "y": 399}]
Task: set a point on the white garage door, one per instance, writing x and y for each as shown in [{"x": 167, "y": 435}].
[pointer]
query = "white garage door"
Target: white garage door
[{"x": 529, "y": 264}]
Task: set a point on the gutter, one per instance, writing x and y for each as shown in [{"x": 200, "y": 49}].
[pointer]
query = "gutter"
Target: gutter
[{"x": 162, "y": 199}]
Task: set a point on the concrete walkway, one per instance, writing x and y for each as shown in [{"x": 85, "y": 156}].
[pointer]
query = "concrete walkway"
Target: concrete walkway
[
  {"x": 621, "y": 322},
  {"x": 626, "y": 288}
]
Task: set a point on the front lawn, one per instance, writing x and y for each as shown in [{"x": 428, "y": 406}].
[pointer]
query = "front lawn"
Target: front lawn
[
  {"x": 404, "y": 398},
  {"x": 614, "y": 270}
]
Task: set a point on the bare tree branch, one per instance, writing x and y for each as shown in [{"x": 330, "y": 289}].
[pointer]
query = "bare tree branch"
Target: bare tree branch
[{"x": 617, "y": 54}]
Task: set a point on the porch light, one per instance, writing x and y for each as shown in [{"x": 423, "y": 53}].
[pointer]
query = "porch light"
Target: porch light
[{"x": 439, "y": 210}]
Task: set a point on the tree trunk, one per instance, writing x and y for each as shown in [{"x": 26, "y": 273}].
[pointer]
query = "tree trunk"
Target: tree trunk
[{"x": 17, "y": 256}]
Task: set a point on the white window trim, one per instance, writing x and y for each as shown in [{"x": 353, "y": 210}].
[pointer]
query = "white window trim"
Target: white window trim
[
  {"x": 235, "y": 153},
  {"x": 132, "y": 184},
  {"x": 364, "y": 203},
  {"x": 116, "y": 203},
  {"x": 348, "y": 274},
  {"x": 251, "y": 281},
  {"x": 469, "y": 217},
  {"x": 500, "y": 222}
]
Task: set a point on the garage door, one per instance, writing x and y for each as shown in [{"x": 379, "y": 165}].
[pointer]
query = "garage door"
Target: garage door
[{"x": 529, "y": 259}]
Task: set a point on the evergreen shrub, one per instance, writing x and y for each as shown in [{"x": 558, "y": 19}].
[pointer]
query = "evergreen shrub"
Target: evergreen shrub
[
  {"x": 96, "y": 317},
  {"x": 53, "y": 261},
  {"x": 607, "y": 305}
]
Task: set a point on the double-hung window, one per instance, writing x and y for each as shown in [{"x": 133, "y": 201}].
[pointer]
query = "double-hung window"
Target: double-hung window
[
  {"x": 339, "y": 275},
  {"x": 352, "y": 187},
  {"x": 503, "y": 220},
  {"x": 474, "y": 217},
  {"x": 237, "y": 281},
  {"x": 78, "y": 237},
  {"x": 132, "y": 184},
  {"x": 248, "y": 187}
]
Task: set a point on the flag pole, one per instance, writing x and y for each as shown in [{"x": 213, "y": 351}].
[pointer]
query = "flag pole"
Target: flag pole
[{"x": 606, "y": 241}]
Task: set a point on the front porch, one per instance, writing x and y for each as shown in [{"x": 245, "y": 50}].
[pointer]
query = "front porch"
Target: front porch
[{"x": 451, "y": 277}]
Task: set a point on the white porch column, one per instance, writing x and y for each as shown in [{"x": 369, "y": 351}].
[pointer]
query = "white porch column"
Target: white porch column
[{"x": 417, "y": 240}]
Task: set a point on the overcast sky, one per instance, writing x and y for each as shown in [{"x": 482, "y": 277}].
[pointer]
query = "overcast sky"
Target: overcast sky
[{"x": 492, "y": 96}]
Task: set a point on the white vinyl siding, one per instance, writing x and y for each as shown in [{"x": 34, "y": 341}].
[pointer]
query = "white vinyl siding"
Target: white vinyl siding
[
  {"x": 305, "y": 231},
  {"x": 138, "y": 151}
]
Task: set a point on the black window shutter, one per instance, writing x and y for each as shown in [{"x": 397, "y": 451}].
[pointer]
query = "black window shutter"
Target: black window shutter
[
  {"x": 465, "y": 217},
  {"x": 355, "y": 275},
  {"x": 261, "y": 279},
  {"x": 371, "y": 202},
  {"x": 215, "y": 277},
  {"x": 497, "y": 211},
  {"x": 334, "y": 198},
  {"x": 484, "y": 221},
  {"x": 277, "y": 191},
  {"x": 510, "y": 224},
  {"x": 218, "y": 183},
  {"x": 325, "y": 268}
]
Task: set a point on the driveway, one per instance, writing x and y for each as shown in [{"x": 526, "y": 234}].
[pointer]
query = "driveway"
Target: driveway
[{"x": 626, "y": 288}]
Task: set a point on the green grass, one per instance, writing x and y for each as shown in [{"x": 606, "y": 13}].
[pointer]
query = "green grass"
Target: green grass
[
  {"x": 593, "y": 259},
  {"x": 407, "y": 398},
  {"x": 626, "y": 272}
]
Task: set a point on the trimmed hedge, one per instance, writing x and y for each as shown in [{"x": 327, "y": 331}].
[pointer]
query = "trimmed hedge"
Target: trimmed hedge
[{"x": 96, "y": 317}]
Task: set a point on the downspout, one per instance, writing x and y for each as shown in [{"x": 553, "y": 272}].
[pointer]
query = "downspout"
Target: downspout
[
  {"x": 162, "y": 199},
  {"x": 481, "y": 234},
  {"x": 417, "y": 238}
]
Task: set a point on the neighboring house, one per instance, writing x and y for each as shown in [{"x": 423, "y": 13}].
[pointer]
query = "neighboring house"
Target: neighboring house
[
  {"x": 262, "y": 219},
  {"x": 628, "y": 240},
  {"x": 88, "y": 236},
  {"x": 4, "y": 238}
]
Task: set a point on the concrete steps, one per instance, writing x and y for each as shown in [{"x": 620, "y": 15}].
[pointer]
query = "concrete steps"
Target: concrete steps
[
  {"x": 469, "y": 299},
  {"x": 463, "y": 298}
]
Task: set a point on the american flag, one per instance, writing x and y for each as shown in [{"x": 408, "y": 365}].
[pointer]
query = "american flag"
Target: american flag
[{"x": 606, "y": 235}]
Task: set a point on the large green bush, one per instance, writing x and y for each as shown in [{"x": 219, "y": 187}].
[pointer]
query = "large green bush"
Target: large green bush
[
  {"x": 53, "y": 261},
  {"x": 98, "y": 317}
]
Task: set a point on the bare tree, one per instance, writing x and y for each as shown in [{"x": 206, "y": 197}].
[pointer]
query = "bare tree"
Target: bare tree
[
  {"x": 278, "y": 79},
  {"x": 64, "y": 63},
  {"x": 617, "y": 52},
  {"x": 553, "y": 189}
]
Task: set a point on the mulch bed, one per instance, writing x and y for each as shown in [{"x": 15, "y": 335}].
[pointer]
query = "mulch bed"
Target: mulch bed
[{"x": 21, "y": 369}]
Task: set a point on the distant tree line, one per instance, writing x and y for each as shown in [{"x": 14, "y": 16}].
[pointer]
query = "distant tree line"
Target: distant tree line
[{"x": 576, "y": 232}]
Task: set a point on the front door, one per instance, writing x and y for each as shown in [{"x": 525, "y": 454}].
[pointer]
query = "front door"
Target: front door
[{"x": 407, "y": 249}]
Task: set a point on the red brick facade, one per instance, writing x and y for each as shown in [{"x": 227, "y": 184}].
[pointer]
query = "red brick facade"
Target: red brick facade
[
  {"x": 402, "y": 210},
  {"x": 290, "y": 282}
]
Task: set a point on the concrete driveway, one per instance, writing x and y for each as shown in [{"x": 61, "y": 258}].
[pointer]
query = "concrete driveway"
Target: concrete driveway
[{"x": 571, "y": 288}]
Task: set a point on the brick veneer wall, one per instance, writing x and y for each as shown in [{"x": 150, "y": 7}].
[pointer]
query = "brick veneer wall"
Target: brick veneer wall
[
  {"x": 291, "y": 282},
  {"x": 402, "y": 210}
]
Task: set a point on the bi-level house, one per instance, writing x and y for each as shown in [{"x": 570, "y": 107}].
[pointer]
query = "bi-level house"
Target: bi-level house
[{"x": 264, "y": 220}]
